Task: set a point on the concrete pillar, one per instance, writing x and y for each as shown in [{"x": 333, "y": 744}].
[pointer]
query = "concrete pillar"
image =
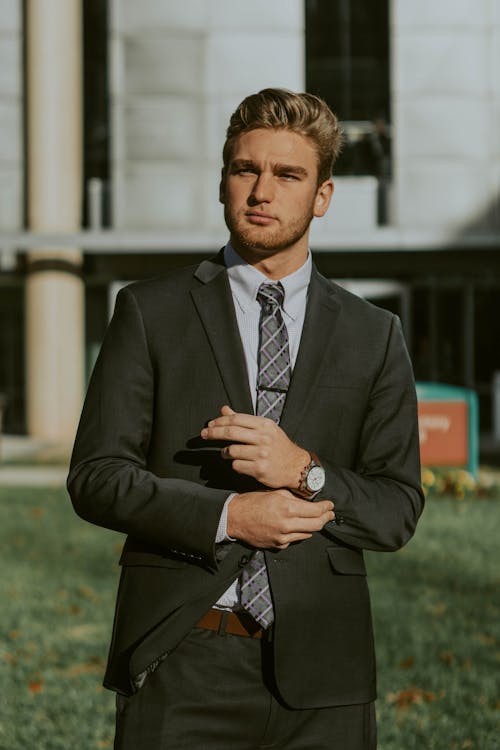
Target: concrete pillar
[{"x": 54, "y": 289}]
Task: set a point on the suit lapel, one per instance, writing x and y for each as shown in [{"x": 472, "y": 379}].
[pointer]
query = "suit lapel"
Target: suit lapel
[
  {"x": 320, "y": 320},
  {"x": 214, "y": 303}
]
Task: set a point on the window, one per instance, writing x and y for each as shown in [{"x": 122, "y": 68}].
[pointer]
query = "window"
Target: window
[
  {"x": 96, "y": 109},
  {"x": 347, "y": 64}
]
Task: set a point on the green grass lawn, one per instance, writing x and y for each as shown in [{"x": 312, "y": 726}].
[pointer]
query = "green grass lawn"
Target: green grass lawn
[
  {"x": 436, "y": 609},
  {"x": 436, "y": 612}
]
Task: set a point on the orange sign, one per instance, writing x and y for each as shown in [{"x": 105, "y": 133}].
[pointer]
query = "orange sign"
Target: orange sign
[{"x": 443, "y": 433}]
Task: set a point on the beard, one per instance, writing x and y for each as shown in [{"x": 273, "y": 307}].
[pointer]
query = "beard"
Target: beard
[{"x": 266, "y": 240}]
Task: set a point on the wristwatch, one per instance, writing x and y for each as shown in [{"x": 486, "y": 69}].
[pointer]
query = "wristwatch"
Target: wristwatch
[{"x": 312, "y": 479}]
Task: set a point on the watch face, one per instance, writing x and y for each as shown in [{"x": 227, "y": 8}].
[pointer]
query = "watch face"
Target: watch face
[{"x": 316, "y": 478}]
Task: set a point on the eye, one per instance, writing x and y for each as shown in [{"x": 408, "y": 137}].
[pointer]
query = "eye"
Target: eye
[
  {"x": 244, "y": 170},
  {"x": 289, "y": 177}
]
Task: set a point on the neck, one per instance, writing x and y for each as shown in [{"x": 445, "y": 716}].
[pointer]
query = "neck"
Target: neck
[{"x": 275, "y": 266}]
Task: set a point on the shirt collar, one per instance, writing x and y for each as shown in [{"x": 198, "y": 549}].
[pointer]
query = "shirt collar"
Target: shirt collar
[{"x": 245, "y": 281}]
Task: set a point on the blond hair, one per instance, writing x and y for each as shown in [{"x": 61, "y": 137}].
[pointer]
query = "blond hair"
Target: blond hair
[{"x": 305, "y": 114}]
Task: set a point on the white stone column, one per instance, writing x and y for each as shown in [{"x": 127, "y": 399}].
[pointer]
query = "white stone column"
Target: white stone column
[{"x": 54, "y": 289}]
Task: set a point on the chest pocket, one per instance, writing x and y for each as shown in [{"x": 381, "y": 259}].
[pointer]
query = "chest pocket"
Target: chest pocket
[{"x": 346, "y": 561}]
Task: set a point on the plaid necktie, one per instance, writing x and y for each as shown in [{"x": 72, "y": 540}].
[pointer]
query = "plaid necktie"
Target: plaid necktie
[{"x": 272, "y": 385}]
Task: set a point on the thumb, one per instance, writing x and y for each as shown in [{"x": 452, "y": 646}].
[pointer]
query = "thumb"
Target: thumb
[{"x": 226, "y": 411}]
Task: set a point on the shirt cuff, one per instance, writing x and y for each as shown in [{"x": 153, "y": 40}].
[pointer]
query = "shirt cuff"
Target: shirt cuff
[{"x": 222, "y": 535}]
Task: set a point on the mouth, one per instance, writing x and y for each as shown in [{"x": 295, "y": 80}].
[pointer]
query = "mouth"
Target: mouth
[{"x": 259, "y": 218}]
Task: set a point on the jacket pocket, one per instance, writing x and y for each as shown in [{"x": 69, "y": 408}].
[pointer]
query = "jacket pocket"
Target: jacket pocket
[{"x": 346, "y": 561}]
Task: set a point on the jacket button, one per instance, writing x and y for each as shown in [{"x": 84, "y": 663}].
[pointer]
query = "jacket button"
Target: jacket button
[
  {"x": 339, "y": 520},
  {"x": 244, "y": 561}
]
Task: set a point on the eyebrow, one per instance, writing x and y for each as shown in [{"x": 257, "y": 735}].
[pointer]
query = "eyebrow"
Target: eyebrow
[{"x": 277, "y": 168}]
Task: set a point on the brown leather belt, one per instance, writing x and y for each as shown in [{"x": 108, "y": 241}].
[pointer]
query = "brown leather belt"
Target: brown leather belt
[{"x": 229, "y": 622}]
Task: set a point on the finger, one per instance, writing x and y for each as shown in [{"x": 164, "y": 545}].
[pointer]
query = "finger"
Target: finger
[
  {"x": 310, "y": 525},
  {"x": 234, "y": 433},
  {"x": 308, "y": 509},
  {"x": 242, "y": 454},
  {"x": 226, "y": 411},
  {"x": 239, "y": 418}
]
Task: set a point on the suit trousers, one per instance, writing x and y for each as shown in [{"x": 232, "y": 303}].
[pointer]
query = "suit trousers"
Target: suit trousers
[{"x": 216, "y": 692}]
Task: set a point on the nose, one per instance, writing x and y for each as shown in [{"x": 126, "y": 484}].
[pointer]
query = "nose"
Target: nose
[{"x": 262, "y": 189}]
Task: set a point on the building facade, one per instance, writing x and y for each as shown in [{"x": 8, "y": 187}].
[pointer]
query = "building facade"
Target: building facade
[{"x": 110, "y": 154}]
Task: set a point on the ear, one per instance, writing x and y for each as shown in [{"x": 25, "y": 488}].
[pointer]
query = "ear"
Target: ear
[
  {"x": 222, "y": 186},
  {"x": 323, "y": 197}
]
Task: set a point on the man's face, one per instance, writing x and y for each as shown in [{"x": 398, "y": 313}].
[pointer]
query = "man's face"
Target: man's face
[{"x": 270, "y": 192}]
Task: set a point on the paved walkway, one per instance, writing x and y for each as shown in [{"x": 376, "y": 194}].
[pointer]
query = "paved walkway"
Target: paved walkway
[
  {"x": 27, "y": 462},
  {"x": 33, "y": 476}
]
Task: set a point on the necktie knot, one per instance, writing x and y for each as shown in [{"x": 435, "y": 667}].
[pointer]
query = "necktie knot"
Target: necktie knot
[{"x": 271, "y": 295}]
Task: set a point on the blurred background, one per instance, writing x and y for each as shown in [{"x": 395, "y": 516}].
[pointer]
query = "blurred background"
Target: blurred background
[{"x": 112, "y": 120}]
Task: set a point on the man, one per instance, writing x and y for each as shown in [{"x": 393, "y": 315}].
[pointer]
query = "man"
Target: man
[{"x": 252, "y": 428}]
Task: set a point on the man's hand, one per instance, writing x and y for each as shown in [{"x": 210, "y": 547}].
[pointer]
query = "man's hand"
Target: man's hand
[
  {"x": 258, "y": 448},
  {"x": 275, "y": 518}
]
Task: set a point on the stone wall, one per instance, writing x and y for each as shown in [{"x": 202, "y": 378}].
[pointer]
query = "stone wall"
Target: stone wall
[
  {"x": 178, "y": 70},
  {"x": 446, "y": 96}
]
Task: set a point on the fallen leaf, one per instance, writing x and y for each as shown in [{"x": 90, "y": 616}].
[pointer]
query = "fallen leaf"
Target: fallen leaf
[
  {"x": 79, "y": 632},
  {"x": 94, "y": 665},
  {"x": 75, "y": 609},
  {"x": 485, "y": 639},
  {"x": 447, "y": 657},
  {"x": 407, "y": 663},
  {"x": 412, "y": 696},
  {"x": 105, "y": 743},
  {"x": 88, "y": 593},
  {"x": 14, "y": 634},
  {"x": 37, "y": 512},
  {"x": 438, "y": 610},
  {"x": 35, "y": 686}
]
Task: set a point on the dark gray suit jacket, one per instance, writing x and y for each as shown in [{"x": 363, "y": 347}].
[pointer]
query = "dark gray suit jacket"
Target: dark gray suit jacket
[{"x": 171, "y": 358}]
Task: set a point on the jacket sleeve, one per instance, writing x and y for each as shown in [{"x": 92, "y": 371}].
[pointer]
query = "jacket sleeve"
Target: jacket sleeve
[
  {"x": 378, "y": 504},
  {"x": 109, "y": 482}
]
